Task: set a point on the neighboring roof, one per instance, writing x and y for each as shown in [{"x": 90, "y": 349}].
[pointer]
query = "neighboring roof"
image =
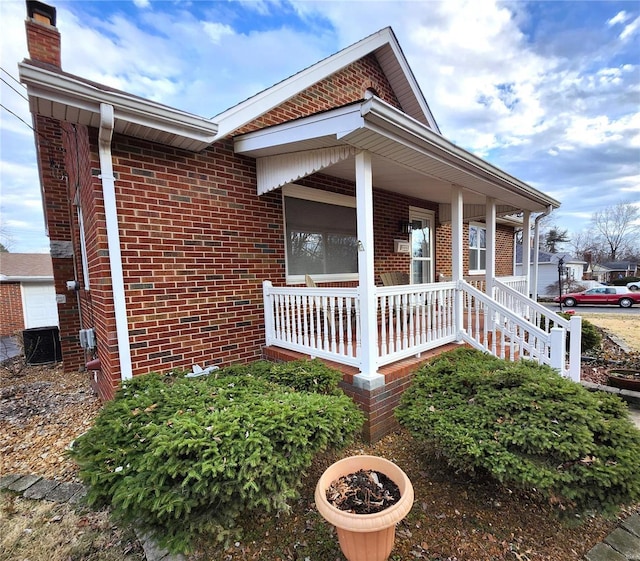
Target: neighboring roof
[
  {"x": 383, "y": 44},
  {"x": 620, "y": 265},
  {"x": 64, "y": 96},
  {"x": 547, "y": 257},
  {"x": 17, "y": 267}
]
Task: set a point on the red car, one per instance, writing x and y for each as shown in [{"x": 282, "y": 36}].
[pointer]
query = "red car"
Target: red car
[{"x": 612, "y": 295}]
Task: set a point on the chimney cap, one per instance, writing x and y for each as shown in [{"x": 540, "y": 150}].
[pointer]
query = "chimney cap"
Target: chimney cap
[{"x": 47, "y": 13}]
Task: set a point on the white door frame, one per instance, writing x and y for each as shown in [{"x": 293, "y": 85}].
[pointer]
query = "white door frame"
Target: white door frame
[{"x": 429, "y": 216}]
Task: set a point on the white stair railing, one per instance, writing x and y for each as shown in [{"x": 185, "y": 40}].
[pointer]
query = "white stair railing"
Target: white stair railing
[{"x": 546, "y": 320}]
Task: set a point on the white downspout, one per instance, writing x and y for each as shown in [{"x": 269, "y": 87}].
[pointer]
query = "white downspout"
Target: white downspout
[
  {"x": 105, "y": 134},
  {"x": 526, "y": 254},
  {"x": 536, "y": 243}
]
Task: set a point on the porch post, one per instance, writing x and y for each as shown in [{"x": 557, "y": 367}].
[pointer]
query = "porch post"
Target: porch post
[
  {"x": 369, "y": 377},
  {"x": 526, "y": 254},
  {"x": 457, "y": 245},
  {"x": 490, "y": 265}
]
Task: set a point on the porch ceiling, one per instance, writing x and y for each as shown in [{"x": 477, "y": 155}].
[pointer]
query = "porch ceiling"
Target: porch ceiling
[{"x": 407, "y": 157}]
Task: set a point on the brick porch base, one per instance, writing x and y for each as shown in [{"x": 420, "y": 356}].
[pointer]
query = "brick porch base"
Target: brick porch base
[{"x": 378, "y": 404}]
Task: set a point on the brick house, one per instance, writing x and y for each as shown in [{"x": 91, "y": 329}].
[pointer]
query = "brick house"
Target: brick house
[
  {"x": 27, "y": 295},
  {"x": 199, "y": 241}
]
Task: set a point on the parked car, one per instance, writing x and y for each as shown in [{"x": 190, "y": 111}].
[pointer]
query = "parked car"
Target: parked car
[
  {"x": 633, "y": 285},
  {"x": 612, "y": 295}
]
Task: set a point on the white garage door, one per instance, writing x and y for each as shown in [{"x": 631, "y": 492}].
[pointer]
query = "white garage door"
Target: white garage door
[{"x": 39, "y": 304}]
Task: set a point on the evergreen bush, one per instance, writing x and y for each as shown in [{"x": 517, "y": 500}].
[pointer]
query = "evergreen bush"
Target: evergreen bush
[
  {"x": 180, "y": 457},
  {"x": 526, "y": 426}
]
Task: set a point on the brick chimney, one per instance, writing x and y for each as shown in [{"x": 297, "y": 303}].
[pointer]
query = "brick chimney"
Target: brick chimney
[{"x": 43, "y": 38}]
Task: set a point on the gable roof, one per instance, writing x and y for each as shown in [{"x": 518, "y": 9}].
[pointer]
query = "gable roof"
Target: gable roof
[
  {"x": 383, "y": 44},
  {"x": 620, "y": 265},
  {"x": 16, "y": 267}
]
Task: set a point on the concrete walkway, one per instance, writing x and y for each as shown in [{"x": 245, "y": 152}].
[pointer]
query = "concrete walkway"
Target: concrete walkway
[
  {"x": 623, "y": 544},
  {"x": 36, "y": 487}
]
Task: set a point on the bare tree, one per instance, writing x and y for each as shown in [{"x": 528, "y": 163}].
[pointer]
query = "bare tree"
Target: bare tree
[
  {"x": 617, "y": 228},
  {"x": 554, "y": 237}
]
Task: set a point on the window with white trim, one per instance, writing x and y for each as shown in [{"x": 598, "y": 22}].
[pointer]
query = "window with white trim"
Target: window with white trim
[
  {"x": 320, "y": 233},
  {"x": 477, "y": 248}
]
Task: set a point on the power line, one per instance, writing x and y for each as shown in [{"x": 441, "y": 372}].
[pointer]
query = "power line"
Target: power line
[
  {"x": 18, "y": 117},
  {"x": 19, "y": 93},
  {"x": 14, "y": 79}
]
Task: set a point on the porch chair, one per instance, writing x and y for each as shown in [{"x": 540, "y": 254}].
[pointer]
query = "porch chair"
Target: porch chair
[
  {"x": 394, "y": 278},
  {"x": 312, "y": 284}
]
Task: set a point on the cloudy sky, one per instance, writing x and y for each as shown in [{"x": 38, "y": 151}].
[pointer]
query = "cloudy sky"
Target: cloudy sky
[{"x": 548, "y": 91}]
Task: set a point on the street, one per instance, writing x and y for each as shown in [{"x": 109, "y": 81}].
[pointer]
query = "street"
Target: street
[{"x": 584, "y": 309}]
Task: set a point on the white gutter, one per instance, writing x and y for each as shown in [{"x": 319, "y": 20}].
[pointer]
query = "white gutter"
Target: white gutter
[
  {"x": 63, "y": 91},
  {"x": 536, "y": 242},
  {"x": 113, "y": 238}
]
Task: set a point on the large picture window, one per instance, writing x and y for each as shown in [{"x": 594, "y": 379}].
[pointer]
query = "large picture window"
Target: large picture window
[
  {"x": 477, "y": 248},
  {"x": 321, "y": 237}
]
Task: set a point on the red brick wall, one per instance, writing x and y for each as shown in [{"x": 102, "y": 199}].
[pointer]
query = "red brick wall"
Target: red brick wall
[
  {"x": 504, "y": 250},
  {"x": 343, "y": 87},
  {"x": 53, "y": 150},
  {"x": 11, "y": 313},
  {"x": 44, "y": 42}
]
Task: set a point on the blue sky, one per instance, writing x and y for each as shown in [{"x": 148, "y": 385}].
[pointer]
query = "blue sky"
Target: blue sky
[{"x": 548, "y": 91}]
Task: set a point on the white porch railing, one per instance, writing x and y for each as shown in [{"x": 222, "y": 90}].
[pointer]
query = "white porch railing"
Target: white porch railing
[
  {"x": 545, "y": 319},
  {"x": 413, "y": 319},
  {"x": 321, "y": 322},
  {"x": 518, "y": 283},
  {"x": 325, "y": 323}
]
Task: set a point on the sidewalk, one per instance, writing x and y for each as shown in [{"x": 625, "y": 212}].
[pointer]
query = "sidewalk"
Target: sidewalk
[
  {"x": 36, "y": 487},
  {"x": 623, "y": 544}
]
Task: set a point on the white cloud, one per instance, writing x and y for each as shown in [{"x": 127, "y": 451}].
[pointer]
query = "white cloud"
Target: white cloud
[
  {"x": 630, "y": 29},
  {"x": 620, "y": 17},
  {"x": 216, "y": 31},
  {"x": 142, "y": 3}
]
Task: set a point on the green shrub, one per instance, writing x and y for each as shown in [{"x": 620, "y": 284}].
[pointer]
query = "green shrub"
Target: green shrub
[
  {"x": 302, "y": 375},
  {"x": 526, "y": 426},
  {"x": 624, "y": 281},
  {"x": 181, "y": 457}
]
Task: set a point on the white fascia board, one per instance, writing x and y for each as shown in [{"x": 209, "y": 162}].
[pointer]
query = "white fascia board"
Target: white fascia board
[
  {"x": 330, "y": 124},
  {"x": 245, "y": 112},
  {"x": 5, "y": 278},
  {"x": 63, "y": 88},
  {"x": 413, "y": 83},
  {"x": 410, "y": 131}
]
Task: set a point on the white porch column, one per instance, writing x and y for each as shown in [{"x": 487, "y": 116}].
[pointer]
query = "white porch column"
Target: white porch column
[
  {"x": 369, "y": 377},
  {"x": 490, "y": 264},
  {"x": 526, "y": 255},
  {"x": 457, "y": 245}
]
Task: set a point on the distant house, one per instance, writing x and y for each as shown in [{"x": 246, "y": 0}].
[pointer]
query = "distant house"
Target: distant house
[
  {"x": 548, "y": 269},
  {"x": 27, "y": 293},
  {"x": 613, "y": 270}
]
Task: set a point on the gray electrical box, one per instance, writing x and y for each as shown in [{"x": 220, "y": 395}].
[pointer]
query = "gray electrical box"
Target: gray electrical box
[{"x": 87, "y": 338}]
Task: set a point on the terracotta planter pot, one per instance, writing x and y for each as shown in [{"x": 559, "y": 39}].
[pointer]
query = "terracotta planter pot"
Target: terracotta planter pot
[
  {"x": 365, "y": 537},
  {"x": 625, "y": 379}
]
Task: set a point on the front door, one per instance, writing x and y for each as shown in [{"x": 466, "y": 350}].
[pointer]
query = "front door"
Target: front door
[{"x": 422, "y": 228}]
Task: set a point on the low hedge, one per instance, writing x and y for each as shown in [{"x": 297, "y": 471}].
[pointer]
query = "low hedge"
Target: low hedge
[
  {"x": 526, "y": 426},
  {"x": 181, "y": 457}
]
